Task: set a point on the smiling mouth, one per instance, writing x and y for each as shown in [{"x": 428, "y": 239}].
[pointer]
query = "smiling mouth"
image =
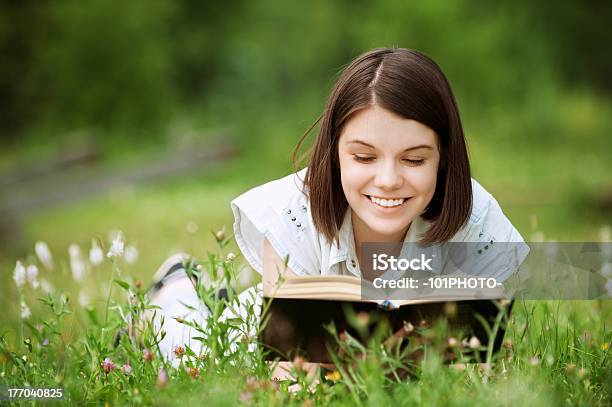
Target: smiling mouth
[{"x": 387, "y": 203}]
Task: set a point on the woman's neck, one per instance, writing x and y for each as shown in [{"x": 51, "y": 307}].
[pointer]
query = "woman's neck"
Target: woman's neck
[{"x": 362, "y": 234}]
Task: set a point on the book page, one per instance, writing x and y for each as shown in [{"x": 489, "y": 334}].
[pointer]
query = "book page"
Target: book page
[{"x": 350, "y": 288}]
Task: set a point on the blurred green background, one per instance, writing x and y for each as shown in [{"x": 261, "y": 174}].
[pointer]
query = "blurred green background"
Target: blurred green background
[{"x": 109, "y": 109}]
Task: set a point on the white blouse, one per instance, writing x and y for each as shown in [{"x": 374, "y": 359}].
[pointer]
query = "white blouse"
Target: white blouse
[{"x": 280, "y": 212}]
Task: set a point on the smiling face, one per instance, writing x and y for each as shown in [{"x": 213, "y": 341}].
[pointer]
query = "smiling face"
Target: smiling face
[{"x": 388, "y": 168}]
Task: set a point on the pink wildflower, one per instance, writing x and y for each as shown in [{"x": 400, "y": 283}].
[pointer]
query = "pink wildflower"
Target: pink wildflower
[
  {"x": 108, "y": 365},
  {"x": 194, "y": 372},
  {"x": 147, "y": 355},
  {"x": 179, "y": 351},
  {"x": 162, "y": 379},
  {"x": 126, "y": 369},
  {"x": 246, "y": 397}
]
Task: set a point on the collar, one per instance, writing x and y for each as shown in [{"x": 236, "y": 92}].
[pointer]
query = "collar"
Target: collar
[{"x": 344, "y": 250}]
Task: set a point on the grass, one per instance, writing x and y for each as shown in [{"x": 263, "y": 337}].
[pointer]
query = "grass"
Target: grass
[{"x": 555, "y": 352}]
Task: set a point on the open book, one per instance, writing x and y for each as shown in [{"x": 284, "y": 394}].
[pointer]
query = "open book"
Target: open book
[
  {"x": 349, "y": 288},
  {"x": 302, "y": 307}
]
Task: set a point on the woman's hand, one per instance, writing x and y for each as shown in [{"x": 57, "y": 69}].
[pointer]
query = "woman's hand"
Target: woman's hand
[
  {"x": 273, "y": 268},
  {"x": 291, "y": 370}
]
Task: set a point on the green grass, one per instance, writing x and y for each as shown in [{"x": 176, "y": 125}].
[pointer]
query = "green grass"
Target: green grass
[
  {"x": 548, "y": 186},
  {"x": 555, "y": 352}
]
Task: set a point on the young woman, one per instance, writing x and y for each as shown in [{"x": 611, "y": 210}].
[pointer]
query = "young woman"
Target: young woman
[{"x": 389, "y": 164}]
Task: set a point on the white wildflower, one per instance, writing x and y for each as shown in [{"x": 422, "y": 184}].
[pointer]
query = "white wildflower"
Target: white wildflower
[
  {"x": 44, "y": 254},
  {"x": 83, "y": 299},
  {"x": 19, "y": 275},
  {"x": 245, "y": 277},
  {"x": 78, "y": 269},
  {"x": 77, "y": 265},
  {"x": 46, "y": 286},
  {"x": 192, "y": 228},
  {"x": 32, "y": 274},
  {"x": 96, "y": 255},
  {"x": 25, "y": 310},
  {"x": 230, "y": 256},
  {"x": 474, "y": 342},
  {"x": 220, "y": 272},
  {"x": 220, "y": 235},
  {"x": 117, "y": 247},
  {"x": 74, "y": 250},
  {"x": 131, "y": 254}
]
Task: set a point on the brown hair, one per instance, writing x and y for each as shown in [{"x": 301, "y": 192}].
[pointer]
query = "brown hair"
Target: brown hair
[{"x": 413, "y": 86}]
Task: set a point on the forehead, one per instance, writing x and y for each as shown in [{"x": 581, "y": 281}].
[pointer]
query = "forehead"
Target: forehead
[{"x": 384, "y": 129}]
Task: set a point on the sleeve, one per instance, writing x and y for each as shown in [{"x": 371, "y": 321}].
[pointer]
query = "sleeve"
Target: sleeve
[
  {"x": 493, "y": 246},
  {"x": 278, "y": 211}
]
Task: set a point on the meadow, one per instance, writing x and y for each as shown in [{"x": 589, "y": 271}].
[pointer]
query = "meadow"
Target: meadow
[
  {"x": 158, "y": 78},
  {"x": 554, "y": 352}
]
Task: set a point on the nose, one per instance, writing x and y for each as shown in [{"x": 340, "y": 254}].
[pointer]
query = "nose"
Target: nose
[{"x": 388, "y": 177}]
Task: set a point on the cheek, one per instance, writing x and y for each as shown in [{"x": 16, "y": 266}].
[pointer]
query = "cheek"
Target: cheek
[
  {"x": 353, "y": 177},
  {"x": 425, "y": 181},
  {"x": 351, "y": 186},
  {"x": 345, "y": 178}
]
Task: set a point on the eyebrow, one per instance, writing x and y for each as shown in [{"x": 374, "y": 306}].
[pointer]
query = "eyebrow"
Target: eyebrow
[{"x": 426, "y": 146}]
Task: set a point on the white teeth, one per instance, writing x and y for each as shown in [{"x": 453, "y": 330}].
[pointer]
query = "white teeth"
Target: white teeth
[{"x": 387, "y": 203}]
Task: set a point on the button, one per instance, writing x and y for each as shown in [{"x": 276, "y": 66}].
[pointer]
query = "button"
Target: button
[
  {"x": 299, "y": 225},
  {"x": 353, "y": 263},
  {"x": 479, "y": 251},
  {"x": 304, "y": 208},
  {"x": 293, "y": 218},
  {"x": 288, "y": 211},
  {"x": 486, "y": 247}
]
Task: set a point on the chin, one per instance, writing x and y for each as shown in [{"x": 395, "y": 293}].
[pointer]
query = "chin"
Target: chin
[{"x": 387, "y": 228}]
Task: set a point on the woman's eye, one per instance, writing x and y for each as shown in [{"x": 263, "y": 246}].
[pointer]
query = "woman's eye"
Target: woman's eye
[
  {"x": 363, "y": 159},
  {"x": 414, "y": 162},
  {"x": 368, "y": 159}
]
